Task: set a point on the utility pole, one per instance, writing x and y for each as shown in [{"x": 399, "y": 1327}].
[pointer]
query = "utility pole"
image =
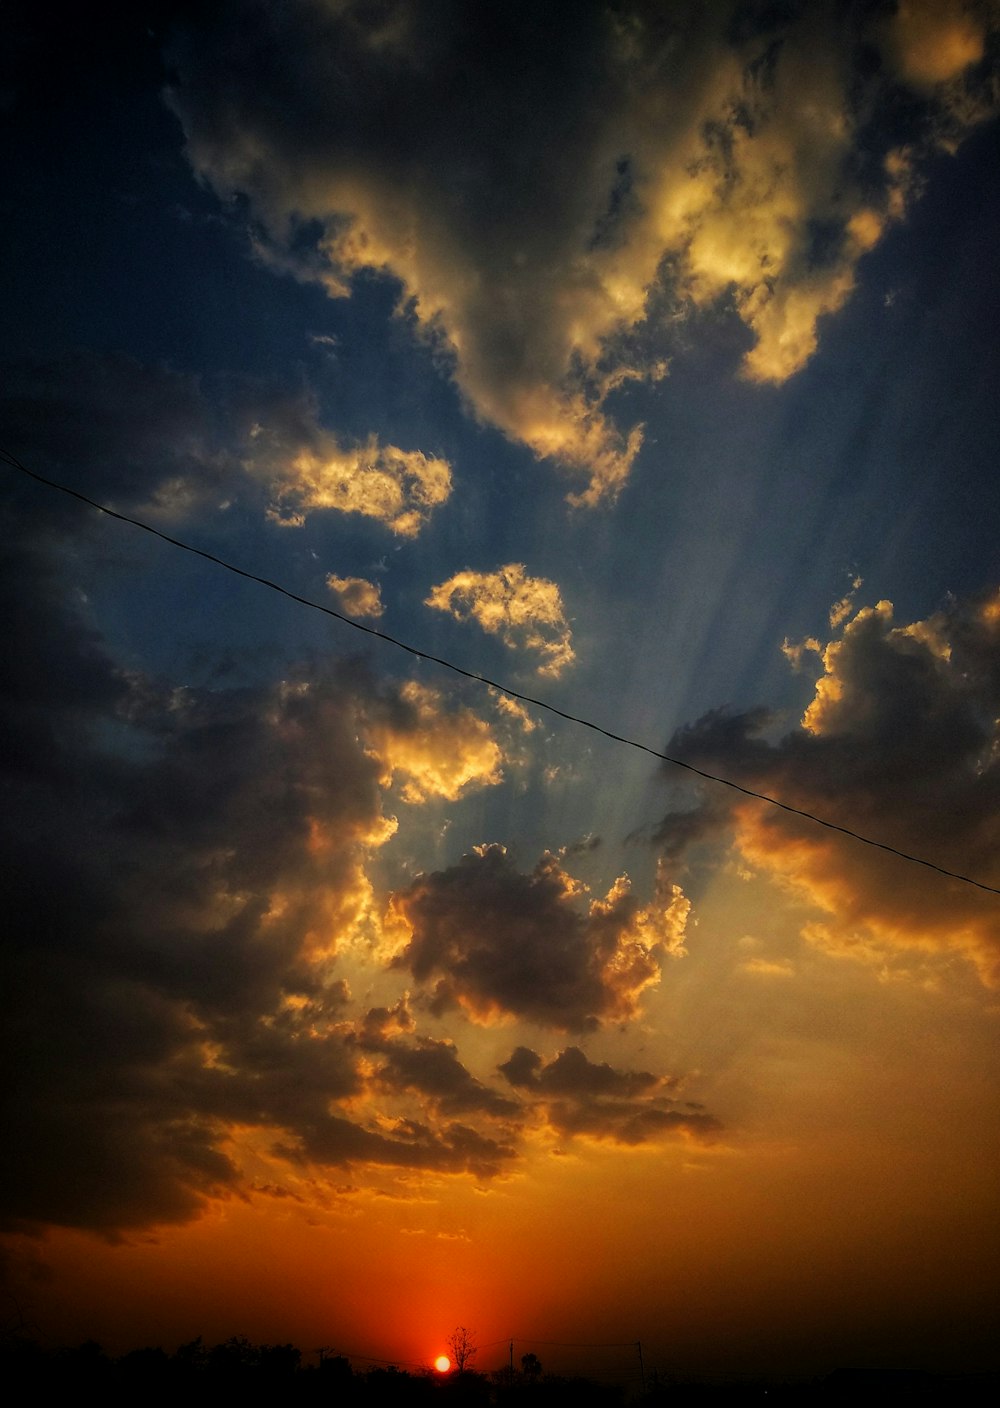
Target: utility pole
[
  {"x": 642, "y": 1372},
  {"x": 512, "y": 1363}
]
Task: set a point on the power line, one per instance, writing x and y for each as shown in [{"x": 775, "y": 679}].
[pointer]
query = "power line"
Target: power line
[
  {"x": 572, "y": 1344},
  {"x": 418, "y": 654}
]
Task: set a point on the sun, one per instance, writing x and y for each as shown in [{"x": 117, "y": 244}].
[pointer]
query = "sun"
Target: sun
[{"x": 442, "y": 1363}]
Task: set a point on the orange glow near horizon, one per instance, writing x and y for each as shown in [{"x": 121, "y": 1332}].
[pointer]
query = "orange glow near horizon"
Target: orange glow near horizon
[{"x": 442, "y": 1363}]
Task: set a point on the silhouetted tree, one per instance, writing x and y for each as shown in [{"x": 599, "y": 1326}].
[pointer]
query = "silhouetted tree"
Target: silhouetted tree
[
  {"x": 335, "y": 1370},
  {"x": 144, "y": 1366},
  {"x": 191, "y": 1358},
  {"x": 462, "y": 1343},
  {"x": 279, "y": 1360},
  {"x": 237, "y": 1356},
  {"x": 531, "y": 1366}
]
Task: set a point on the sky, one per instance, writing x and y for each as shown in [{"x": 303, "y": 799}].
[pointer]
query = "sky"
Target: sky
[{"x": 641, "y": 359}]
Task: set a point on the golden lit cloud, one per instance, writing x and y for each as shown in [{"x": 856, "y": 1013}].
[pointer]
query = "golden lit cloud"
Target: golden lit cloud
[
  {"x": 439, "y": 753},
  {"x": 525, "y": 612},
  {"x": 400, "y": 488},
  {"x": 356, "y": 595},
  {"x": 795, "y": 652},
  {"x": 900, "y": 742},
  {"x": 932, "y": 41},
  {"x": 768, "y": 968},
  {"x": 839, "y": 612},
  {"x": 514, "y": 709},
  {"x": 694, "y": 153}
]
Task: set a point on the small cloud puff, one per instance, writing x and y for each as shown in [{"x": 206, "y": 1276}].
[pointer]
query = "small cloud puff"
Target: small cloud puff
[
  {"x": 933, "y": 41},
  {"x": 525, "y": 612},
  {"x": 513, "y": 709},
  {"x": 356, "y": 595},
  {"x": 399, "y": 488}
]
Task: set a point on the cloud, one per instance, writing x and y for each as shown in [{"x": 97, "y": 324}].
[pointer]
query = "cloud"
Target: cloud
[
  {"x": 502, "y": 943},
  {"x": 513, "y": 709},
  {"x": 431, "y": 1069},
  {"x": 525, "y": 612},
  {"x": 580, "y": 1097},
  {"x": 183, "y": 866},
  {"x": 697, "y": 156},
  {"x": 840, "y": 611},
  {"x": 399, "y": 488},
  {"x": 768, "y": 968},
  {"x": 356, "y": 595},
  {"x": 454, "y": 1148},
  {"x": 439, "y": 755},
  {"x": 138, "y": 435},
  {"x": 148, "y": 437},
  {"x": 932, "y": 43},
  {"x": 899, "y": 743}
]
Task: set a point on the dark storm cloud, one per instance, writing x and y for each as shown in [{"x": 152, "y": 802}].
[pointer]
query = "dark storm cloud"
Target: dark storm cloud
[
  {"x": 431, "y": 1069},
  {"x": 55, "y": 680},
  {"x": 181, "y": 866},
  {"x": 535, "y": 176},
  {"x": 137, "y": 435},
  {"x": 579, "y": 1096},
  {"x": 899, "y": 743},
  {"x": 113, "y": 425},
  {"x": 449, "y": 1148},
  {"x": 571, "y": 1073},
  {"x": 504, "y": 943}
]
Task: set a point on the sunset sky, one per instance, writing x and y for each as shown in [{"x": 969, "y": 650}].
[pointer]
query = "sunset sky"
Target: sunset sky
[{"x": 641, "y": 357}]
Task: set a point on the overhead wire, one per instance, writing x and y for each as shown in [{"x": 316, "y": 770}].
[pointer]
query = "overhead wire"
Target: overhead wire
[{"x": 420, "y": 654}]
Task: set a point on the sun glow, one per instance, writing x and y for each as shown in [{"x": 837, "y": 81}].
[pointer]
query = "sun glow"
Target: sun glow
[{"x": 442, "y": 1363}]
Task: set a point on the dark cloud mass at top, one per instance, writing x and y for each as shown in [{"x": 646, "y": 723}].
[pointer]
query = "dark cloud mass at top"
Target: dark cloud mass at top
[{"x": 695, "y": 156}]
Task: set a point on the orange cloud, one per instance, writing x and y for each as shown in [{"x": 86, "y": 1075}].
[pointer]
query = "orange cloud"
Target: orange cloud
[
  {"x": 400, "y": 488},
  {"x": 440, "y": 753},
  {"x": 525, "y": 612},
  {"x": 357, "y": 596},
  {"x": 933, "y": 41},
  {"x": 184, "y": 1004},
  {"x": 900, "y": 743}
]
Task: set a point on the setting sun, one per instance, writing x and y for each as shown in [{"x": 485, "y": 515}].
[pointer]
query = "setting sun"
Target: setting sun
[{"x": 442, "y": 1363}]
